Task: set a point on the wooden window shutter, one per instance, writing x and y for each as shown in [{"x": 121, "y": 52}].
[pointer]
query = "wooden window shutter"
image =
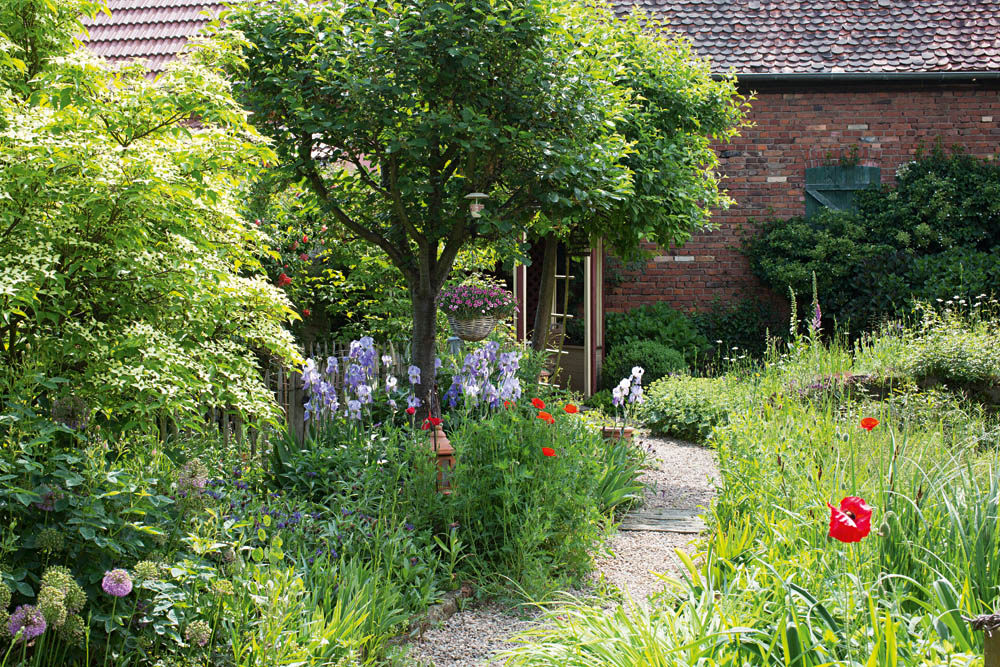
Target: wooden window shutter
[{"x": 834, "y": 187}]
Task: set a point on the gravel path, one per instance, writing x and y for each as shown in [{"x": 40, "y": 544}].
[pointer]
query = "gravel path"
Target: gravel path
[{"x": 683, "y": 478}]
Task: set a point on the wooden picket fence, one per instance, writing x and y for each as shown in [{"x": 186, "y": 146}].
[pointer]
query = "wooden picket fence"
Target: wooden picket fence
[{"x": 286, "y": 383}]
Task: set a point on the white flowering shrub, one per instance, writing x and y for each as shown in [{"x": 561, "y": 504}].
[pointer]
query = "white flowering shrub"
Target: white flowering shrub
[{"x": 125, "y": 268}]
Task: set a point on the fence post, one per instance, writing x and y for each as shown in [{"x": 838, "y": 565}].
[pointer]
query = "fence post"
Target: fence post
[{"x": 990, "y": 624}]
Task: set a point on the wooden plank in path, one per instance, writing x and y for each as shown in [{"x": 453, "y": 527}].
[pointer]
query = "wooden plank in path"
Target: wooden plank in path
[{"x": 664, "y": 520}]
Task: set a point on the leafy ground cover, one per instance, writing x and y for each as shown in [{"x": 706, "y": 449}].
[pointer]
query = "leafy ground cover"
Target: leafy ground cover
[
  {"x": 132, "y": 550},
  {"x": 794, "y": 570}
]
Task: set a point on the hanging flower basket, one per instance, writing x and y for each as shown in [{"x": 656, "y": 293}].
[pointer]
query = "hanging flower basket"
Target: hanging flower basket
[
  {"x": 472, "y": 329},
  {"x": 475, "y": 306}
]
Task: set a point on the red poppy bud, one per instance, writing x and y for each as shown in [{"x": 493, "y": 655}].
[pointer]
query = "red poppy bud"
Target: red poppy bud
[
  {"x": 306, "y": 312},
  {"x": 868, "y": 423},
  {"x": 548, "y": 451},
  {"x": 538, "y": 403},
  {"x": 571, "y": 409},
  {"x": 305, "y": 239},
  {"x": 410, "y": 410}
]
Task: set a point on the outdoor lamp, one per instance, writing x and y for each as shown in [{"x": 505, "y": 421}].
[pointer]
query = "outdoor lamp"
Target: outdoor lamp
[{"x": 476, "y": 204}]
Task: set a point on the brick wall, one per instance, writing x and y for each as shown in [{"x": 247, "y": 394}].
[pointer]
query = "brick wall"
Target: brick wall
[{"x": 765, "y": 173}]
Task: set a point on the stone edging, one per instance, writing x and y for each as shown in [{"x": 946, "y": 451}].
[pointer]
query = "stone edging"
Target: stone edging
[{"x": 436, "y": 613}]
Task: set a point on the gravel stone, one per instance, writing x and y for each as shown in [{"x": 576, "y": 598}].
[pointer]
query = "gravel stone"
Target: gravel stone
[{"x": 683, "y": 477}]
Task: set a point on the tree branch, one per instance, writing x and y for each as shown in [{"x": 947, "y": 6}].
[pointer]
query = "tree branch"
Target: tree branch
[
  {"x": 397, "y": 202},
  {"x": 460, "y": 232},
  {"x": 307, "y": 169}
]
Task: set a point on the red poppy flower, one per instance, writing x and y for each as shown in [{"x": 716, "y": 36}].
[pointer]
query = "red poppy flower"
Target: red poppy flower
[
  {"x": 410, "y": 410},
  {"x": 430, "y": 421},
  {"x": 852, "y": 521},
  {"x": 546, "y": 417},
  {"x": 306, "y": 312},
  {"x": 548, "y": 451},
  {"x": 538, "y": 403},
  {"x": 305, "y": 239},
  {"x": 283, "y": 280},
  {"x": 571, "y": 409},
  {"x": 868, "y": 423}
]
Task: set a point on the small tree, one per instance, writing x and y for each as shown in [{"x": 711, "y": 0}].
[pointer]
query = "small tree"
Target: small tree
[
  {"x": 394, "y": 112},
  {"x": 124, "y": 268},
  {"x": 674, "y": 111}
]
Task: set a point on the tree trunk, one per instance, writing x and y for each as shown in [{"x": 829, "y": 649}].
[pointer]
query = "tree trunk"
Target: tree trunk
[
  {"x": 546, "y": 290},
  {"x": 423, "y": 346}
]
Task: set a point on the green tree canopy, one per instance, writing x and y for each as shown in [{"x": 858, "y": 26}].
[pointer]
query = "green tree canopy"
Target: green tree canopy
[
  {"x": 124, "y": 267},
  {"x": 394, "y": 112}
]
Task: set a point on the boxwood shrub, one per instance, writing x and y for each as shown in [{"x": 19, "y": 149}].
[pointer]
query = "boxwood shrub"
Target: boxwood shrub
[
  {"x": 657, "y": 359},
  {"x": 687, "y": 407}
]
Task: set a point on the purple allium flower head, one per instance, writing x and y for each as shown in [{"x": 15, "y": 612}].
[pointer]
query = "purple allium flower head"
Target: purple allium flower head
[
  {"x": 29, "y": 620},
  {"x": 117, "y": 583},
  {"x": 71, "y": 411},
  {"x": 48, "y": 501}
]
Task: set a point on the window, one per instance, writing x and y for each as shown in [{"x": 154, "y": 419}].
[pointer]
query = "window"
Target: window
[{"x": 834, "y": 186}]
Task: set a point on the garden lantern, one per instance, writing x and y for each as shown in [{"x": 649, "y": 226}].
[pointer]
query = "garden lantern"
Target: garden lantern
[
  {"x": 444, "y": 457},
  {"x": 476, "y": 204}
]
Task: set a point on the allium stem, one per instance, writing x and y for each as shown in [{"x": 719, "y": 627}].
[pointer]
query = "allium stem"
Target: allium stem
[{"x": 107, "y": 642}]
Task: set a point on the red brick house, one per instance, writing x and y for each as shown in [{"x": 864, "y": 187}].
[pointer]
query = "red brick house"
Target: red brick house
[
  {"x": 833, "y": 78},
  {"x": 871, "y": 79}
]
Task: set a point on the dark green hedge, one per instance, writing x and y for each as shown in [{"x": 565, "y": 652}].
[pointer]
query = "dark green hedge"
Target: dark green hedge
[{"x": 935, "y": 235}]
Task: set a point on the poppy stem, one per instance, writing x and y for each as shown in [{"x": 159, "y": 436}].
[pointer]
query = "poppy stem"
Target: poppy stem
[{"x": 848, "y": 615}]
